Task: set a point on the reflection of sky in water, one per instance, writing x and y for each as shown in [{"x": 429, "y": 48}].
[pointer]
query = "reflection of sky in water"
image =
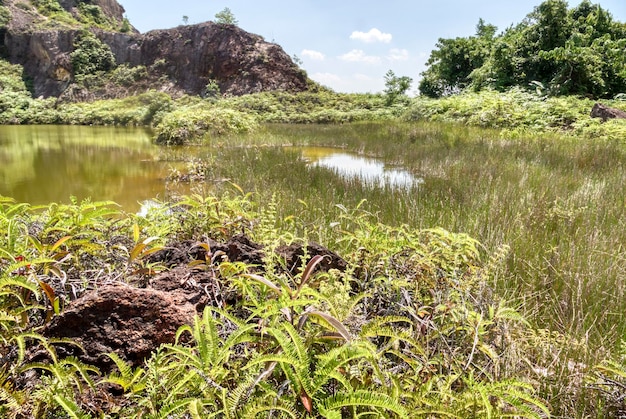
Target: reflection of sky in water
[{"x": 367, "y": 169}]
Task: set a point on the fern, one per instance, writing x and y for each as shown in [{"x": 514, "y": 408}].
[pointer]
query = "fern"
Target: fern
[
  {"x": 11, "y": 398},
  {"x": 71, "y": 408},
  {"x": 127, "y": 378},
  {"x": 67, "y": 371},
  {"x": 368, "y": 401},
  {"x": 169, "y": 410},
  {"x": 255, "y": 410}
]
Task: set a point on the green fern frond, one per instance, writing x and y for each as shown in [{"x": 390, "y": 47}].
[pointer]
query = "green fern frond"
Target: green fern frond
[
  {"x": 80, "y": 368},
  {"x": 612, "y": 368},
  {"x": 328, "y": 364},
  {"x": 238, "y": 396},
  {"x": 301, "y": 352},
  {"x": 71, "y": 408},
  {"x": 126, "y": 371},
  {"x": 369, "y": 329},
  {"x": 519, "y": 395},
  {"x": 13, "y": 399},
  {"x": 169, "y": 410},
  {"x": 255, "y": 410},
  {"x": 364, "y": 399},
  {"x": 21, "y": 342}
]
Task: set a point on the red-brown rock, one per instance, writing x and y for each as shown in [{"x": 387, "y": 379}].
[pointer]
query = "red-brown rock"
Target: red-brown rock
[
  {"x": 129, "y": 321},
  {"x": 601, "y": 111}
]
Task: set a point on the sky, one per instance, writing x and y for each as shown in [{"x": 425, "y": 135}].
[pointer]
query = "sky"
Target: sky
[{"x": 350, "y": 45}]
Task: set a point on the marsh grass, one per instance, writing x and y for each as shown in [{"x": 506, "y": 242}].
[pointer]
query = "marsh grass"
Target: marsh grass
[{"x": 556, "y": 201}]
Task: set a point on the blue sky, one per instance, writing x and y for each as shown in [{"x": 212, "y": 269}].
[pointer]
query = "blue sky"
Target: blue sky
[{"x": 349, "y": 45}]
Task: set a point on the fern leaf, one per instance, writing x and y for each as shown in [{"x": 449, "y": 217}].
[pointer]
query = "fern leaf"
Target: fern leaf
[
  {"x": 364, "y": 399},
  {"x": 81, "y": 368},
  {"x": 170, "y": 409},
  {"x": 237, "y": 396},
  {"x": 255, "y": 410},
  {"x": 70, "y": 407}
]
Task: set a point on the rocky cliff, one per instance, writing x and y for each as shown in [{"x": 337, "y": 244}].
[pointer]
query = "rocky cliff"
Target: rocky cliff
[{"x": 185, "y": 59}]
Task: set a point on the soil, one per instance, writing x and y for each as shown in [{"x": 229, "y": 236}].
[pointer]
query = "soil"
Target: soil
[{"x": 134, "y": 320}]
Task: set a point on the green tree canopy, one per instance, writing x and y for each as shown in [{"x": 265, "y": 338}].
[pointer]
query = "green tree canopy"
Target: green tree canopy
[
  {"x": 581, "y": 51},
  {"x": 226, "y": 17},
  {"x": 91, "y": 55},
  {"x": 396, "y": 86}
]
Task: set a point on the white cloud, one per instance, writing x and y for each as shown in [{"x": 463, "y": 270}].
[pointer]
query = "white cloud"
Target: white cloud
[
  {"x": 374, "y": 35},
  {"x": 359, "y": 56},
  {"x": 314, "y": 55},
  {"x": 396, "y": 54},
  {"x": 326, "y": 79}
]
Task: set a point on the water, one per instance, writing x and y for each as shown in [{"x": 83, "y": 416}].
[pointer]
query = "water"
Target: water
[
  {"x": 43, "y": 164},
  {"x": 368, "y": 170}
]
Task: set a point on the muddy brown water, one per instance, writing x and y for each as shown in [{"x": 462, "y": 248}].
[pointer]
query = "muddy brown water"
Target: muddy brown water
[{"x": 43, "y": 164}]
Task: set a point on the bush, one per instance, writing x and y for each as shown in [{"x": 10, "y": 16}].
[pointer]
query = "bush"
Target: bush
[
  {"x": 145, "y": 109},
  {"x": 91, "y": 55},
  {"x": 195, "y": 122},
  {"x": 5, "y": 16}
]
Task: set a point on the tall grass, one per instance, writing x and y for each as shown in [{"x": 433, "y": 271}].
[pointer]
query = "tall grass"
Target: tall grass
[{"x": 556, "y": 201}]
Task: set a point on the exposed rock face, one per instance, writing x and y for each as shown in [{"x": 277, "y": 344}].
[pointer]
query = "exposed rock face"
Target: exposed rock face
[
  {"x": 601, "y": 111},
  {"x": 179, "y": 60},
  {"x": 239, "y": 61},
  {"x": 45, "y": 57}
]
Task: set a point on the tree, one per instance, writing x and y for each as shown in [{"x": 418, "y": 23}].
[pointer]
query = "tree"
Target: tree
[
  {"x": 451, "y": 65},
  {"x": 226, "y": 17},
  {"x": 577, "y": 51},
  {"x": 185, "y": 19},
  {"x": 395, "y": 86}
]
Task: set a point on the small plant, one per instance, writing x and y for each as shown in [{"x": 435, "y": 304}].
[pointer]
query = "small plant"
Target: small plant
[
  {"x": 395, "y": 87},
  {"x": 226, "y": 17}
]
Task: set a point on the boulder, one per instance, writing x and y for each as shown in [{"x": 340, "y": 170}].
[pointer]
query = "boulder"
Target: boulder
[
  {"x": 604, "y": 112},
  {"x": 132, "y": 322}
]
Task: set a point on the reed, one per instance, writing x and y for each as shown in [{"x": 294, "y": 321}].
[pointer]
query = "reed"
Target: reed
[{"x": 555, "y": 200}]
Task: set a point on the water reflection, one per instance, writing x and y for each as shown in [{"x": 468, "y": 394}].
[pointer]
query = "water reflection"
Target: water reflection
[
  {"x": 371, "y": 171},
  {"x": 42, "y": 164}
]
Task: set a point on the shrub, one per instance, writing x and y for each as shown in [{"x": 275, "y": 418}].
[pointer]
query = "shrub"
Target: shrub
[
  {"x": 5, "y": 16},
  {"x": 91, "y": 55},
  {"x": 196, "y": 122}
]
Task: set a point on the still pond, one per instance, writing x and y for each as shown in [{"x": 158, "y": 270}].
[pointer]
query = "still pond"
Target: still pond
[{"x": 42, "y": 164}]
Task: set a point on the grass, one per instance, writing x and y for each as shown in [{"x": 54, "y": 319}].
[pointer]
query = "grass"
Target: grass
[
  {"x": 536, "y": 181},
  {"x": 552, "y": 203},
  {"x": 554, "y": 200}
]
